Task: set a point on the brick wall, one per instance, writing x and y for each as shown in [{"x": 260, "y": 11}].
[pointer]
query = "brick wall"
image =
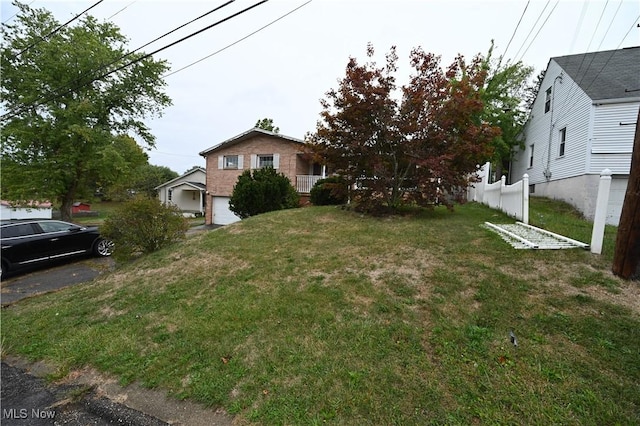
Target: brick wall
[{"x": 220, "y": 182}]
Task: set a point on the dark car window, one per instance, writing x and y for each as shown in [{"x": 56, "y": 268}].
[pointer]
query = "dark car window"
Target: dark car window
[
  {"x": 18, "y": 230},
  {"x": 52, "y": 226}
]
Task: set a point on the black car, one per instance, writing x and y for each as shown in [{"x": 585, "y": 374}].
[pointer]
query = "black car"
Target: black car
[{"x": 30, "y": 242}]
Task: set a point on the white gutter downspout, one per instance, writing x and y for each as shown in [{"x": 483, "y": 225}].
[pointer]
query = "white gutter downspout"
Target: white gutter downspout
[{"x": 547, "y": 171}]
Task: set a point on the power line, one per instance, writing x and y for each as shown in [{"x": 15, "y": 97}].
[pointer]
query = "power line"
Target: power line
[
  {"x": 516, "y": 29},
  {"x": 601, "y": 69},
  {"x": 184, "y": 25},
  {"x": 53, "y": 95},
  {"x": 575, "y": 85},
  {"x": 540, "y": 29},
  {"x": 237, "y": 41},
  {"x": 121, "y": 9},
  {"x": 532, "y": 28},
  {"x": 59, "y": 27},
  {"x": 13, "y": 16}
]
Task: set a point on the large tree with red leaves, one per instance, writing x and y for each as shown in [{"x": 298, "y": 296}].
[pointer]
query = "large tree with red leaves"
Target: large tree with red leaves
[{"x": 417, "y": 145}]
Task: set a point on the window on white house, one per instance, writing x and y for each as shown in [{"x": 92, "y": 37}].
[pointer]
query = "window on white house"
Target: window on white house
[
  {"x": 531, "y": 155},
  {"x": 230, "y": 162},
  {"x": 563, "y": 141},
  {"x": 265, "y": 161},
  {"x": 170, "y": 194},
  {"x": 547, "y": 101}
]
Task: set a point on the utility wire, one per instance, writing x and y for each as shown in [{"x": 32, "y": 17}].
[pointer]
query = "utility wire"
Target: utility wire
[
  {"x": 237, "y": 41},
  {"x": 13, "y": 16},
  {"x": 121, "y": 10},
  {"x": 516, "y": 29},
  {"x": 532, "y": 28},
  {"x": 59, "y": 28},
  {"x": 53, "y": 95},
  {"x": 540, "y": 29},
  {"x": 573, "y": 89},
  {"x": 603, "y": 67},
  {"x": 183, "y": 25}
]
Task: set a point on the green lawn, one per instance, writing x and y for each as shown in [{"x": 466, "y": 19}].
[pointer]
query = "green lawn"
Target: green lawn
[{"x": 323, "y": 316}]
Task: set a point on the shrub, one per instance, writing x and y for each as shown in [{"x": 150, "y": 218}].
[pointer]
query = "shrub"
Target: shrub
[
  {"x": 143, "y": 225},
  {"x": 329, "y": 191},
  {"x": 262, "y": 191}
]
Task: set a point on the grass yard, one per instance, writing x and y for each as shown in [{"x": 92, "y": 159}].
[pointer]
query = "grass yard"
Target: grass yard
[{"x": 323, "y": 316}]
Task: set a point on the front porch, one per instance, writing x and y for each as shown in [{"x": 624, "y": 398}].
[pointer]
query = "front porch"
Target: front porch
[{"x": 304, "y": 183}]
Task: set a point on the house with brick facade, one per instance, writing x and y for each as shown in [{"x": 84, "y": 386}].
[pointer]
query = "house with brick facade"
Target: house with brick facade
[{"x": 253, "y": 149}]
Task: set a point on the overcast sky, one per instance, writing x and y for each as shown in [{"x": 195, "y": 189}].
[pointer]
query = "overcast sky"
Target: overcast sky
[{"x": 282, "y": 71}]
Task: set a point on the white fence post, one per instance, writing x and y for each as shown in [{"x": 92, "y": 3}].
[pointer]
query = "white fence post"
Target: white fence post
[
  {"x": 525, "y": 199},
  {"x": 602, "y": 203},
  {"x": 503, "y": 183}
]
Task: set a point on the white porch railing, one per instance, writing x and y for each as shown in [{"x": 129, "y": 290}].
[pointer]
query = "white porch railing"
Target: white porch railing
[
  {"x": 511, "y": 199},
  {"x": 304, "y": 183}
]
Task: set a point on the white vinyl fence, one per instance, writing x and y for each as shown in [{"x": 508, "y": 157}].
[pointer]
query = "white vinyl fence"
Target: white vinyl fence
[{"x": 511, "y": 199}]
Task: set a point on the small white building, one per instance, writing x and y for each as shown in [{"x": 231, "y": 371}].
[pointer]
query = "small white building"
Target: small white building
[
  {"x": 33, "y": 210},
  {"x": 582, "y": 122},
  {"x": 186, "y": 191}
]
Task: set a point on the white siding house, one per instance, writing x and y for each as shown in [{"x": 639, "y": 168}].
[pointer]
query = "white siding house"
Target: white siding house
[
  {"x": 186, "y": 191},
  {"x": 582, "y": 122}
]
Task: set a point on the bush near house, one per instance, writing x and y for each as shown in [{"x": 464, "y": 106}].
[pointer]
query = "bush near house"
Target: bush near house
[
  {"x": 261, "y": 191},
  {"x": 330, "y": 191},
  {"x": 143, "y": 225}
]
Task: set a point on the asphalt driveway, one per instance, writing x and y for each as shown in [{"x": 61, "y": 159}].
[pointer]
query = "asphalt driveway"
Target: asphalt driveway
[{"x": 29, "y": 283}]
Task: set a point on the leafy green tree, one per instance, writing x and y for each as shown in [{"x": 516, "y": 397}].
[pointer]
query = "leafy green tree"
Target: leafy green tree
[
  {"x": 267, "y": 124},
  {"x": 70, "y": 96},
  {"x": 504, "y": 97},
  {"x": 143, "y": 225},
  {"x": 148, "y": 176},
  {"x": 117, "y": 167},
  {"x": 261, "y": 191}
]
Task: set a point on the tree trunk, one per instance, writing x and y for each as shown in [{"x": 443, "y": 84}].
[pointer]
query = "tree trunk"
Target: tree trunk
[
  {"x": 65, "y": 209},
  {"x": 626, "y": 259}
]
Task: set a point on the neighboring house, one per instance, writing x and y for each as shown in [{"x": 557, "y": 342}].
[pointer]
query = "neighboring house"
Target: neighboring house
[
  {"x": 33, "y": 210},
  {"x": 253, "y": 149},
  {"x": 186, "y": 191},
  {"x": 582, "y": 122}
]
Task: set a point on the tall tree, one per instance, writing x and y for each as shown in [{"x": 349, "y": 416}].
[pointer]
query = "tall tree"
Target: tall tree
[
  {"x": 70, "y": 94},
  {"x": 267, "y": 124},
  {"x": 147, "y": 177},
  {"x": 412, "y": 148},
  {"x": 504, "y": 94}
]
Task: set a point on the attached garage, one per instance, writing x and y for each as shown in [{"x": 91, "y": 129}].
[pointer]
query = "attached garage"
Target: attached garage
[{"x": 221, "y": 213}]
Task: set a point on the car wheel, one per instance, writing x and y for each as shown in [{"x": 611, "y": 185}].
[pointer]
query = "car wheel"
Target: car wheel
[
  {"x": 3, "y": 270},
  {"x": 103, "y": 247}
]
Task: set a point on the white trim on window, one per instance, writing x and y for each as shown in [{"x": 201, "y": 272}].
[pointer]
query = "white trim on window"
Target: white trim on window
[{"x": 220, "y": 162}]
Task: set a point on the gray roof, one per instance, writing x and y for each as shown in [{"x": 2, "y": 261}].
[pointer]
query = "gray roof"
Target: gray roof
[
  {"x": 610, "y": 74},
  {"x": 195, "y": 169},
  {"x": 251, "y": 133}
]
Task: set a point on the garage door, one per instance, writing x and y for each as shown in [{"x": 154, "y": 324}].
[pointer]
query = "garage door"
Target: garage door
[{"x": 221, "y": 213}]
